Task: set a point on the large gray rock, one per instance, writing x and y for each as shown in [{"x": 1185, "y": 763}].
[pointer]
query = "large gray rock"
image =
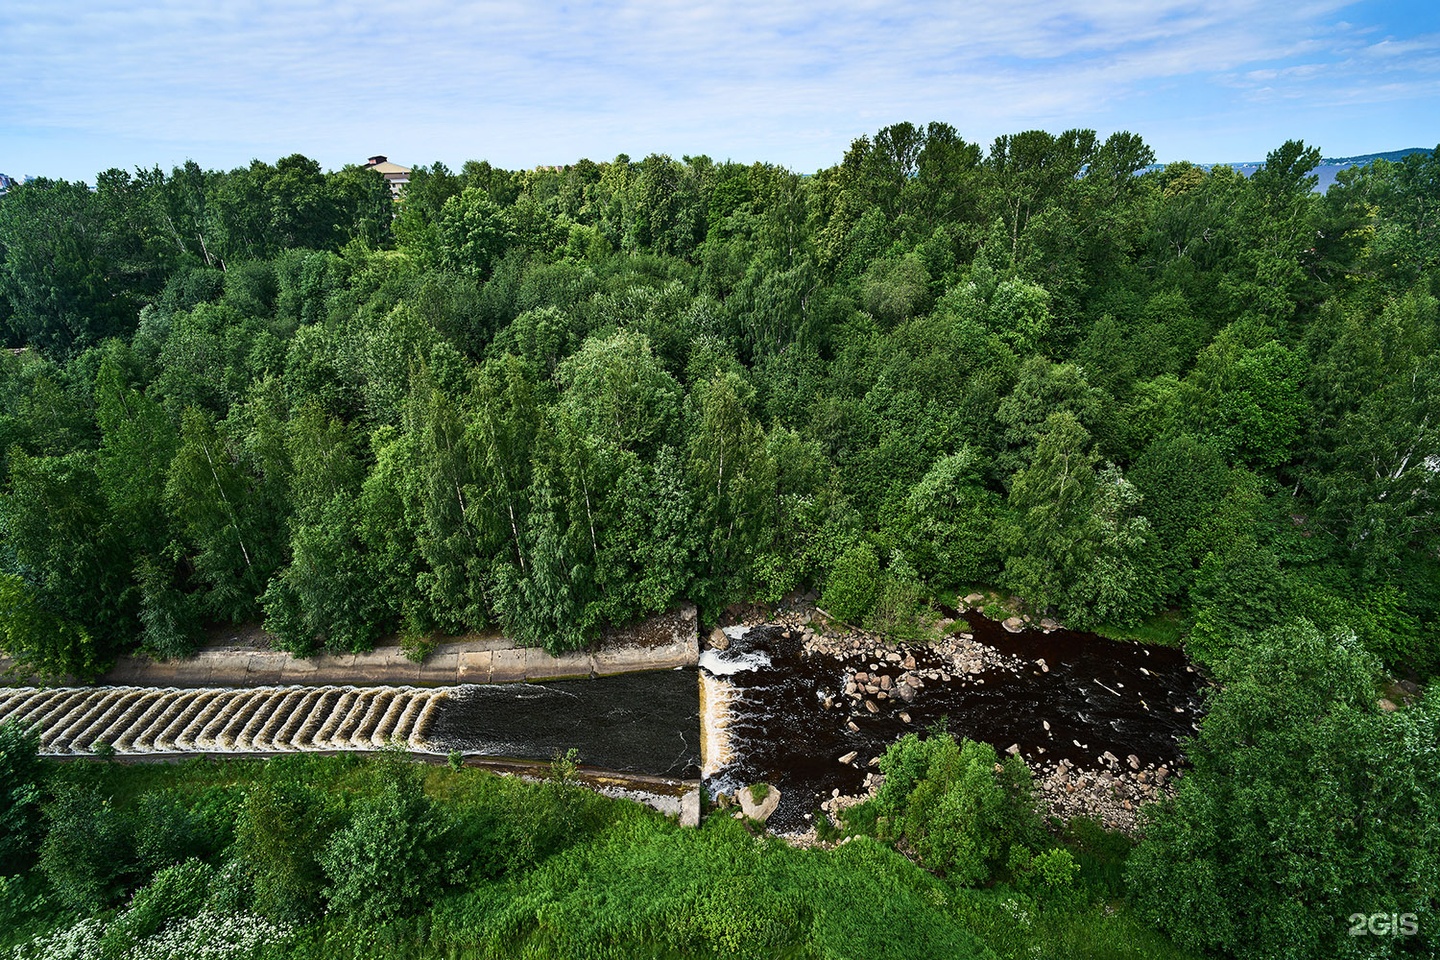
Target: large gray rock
[
  {"x": 690, "y": 808},
  {"x": 1013, "y": 624},
  {"x": 761, "y": 811}
]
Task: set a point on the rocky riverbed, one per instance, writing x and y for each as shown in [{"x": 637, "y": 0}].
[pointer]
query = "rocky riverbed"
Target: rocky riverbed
[{"x": 1098, "y": 722}]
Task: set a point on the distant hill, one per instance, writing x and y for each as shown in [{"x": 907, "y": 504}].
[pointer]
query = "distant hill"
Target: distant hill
[
  {"x": 1360, "y": 161},
  {"x": 1327, "y": 170}
]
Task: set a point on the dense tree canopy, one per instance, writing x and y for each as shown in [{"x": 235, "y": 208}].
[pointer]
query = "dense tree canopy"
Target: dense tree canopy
[{"x": 563, "y": 398}]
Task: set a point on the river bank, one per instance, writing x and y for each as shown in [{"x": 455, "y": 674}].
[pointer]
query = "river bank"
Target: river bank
[{"x": 245, "y": 657}]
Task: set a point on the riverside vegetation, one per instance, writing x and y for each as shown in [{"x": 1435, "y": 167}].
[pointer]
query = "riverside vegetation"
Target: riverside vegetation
[
  {"x": 1150, "y": 402},
  {"x": 309, "y": 857}
]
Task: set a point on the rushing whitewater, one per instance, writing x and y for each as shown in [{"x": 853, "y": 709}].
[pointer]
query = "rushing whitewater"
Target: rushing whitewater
[{"x": 140, "y": 720}]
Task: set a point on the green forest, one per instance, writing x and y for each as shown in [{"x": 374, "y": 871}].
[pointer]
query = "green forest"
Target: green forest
[
  {"x": 1171, "y": 403},
  {"x": 557, "y": 399}
]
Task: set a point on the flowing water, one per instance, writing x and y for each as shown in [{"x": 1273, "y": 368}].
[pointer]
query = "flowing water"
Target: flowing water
[
  {"x": 767, "y": 704},
  {"x": 763, "y": 710},
  {"x": 634, "y": 722}
]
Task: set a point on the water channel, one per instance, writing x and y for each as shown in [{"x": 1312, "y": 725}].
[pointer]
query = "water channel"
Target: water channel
[
  {"x": 766, "y": 716},
  {"x": 766, "y": 709}
]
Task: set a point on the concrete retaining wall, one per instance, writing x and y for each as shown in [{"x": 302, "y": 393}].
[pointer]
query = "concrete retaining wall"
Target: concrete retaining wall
[{"x": 661, "y": 642}]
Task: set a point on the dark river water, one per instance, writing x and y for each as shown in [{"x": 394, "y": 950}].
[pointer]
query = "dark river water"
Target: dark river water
[
  {"x": 635, "y": 722},
  {"x": 766, "y": 706},
  {"x": 1098, "y": 695}
]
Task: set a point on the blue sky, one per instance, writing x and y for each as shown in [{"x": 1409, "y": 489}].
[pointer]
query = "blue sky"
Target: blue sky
[{"x": 94, "y": 84}]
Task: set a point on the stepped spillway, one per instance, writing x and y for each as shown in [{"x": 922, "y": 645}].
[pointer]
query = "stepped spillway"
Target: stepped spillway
[{"x": 140, "y": 720}]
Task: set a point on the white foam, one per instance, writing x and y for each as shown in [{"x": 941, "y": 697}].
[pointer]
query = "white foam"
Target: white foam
[
  {"x": 723, "y": 663},
  {"x": 716, "y": 748},
  {"x": 735, "y": 632}
]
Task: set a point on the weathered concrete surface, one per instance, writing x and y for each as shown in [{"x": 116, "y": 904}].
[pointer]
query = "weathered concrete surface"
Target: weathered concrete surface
[{"x": 244, "y": 659}]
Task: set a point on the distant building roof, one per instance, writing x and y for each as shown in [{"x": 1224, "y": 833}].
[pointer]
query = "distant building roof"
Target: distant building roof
[{"x": 384, "y": 167}]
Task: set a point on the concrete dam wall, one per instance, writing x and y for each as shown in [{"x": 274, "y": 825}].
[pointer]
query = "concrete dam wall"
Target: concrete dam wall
[{"x": 141, "y": 720}]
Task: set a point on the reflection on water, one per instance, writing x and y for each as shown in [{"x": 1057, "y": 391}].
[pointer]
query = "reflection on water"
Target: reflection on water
[{"x": 635, "y": 722}]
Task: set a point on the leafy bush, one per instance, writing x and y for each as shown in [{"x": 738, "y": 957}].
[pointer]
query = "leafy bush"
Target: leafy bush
[
  {"x": 1049, "y": 877},
  {"x": 383, "y": 863},
  {"x": 899, "y": 608},
  {"x": 954, "y": 803},
  {"x": 171, "y": 828},
  {"x": 175, "y": 893},
  {"x": 853, "y": 582},
  {"x": 279, "y": 834},
  {"x": 20, "y": 823},
  {"x": 86, "y": 851},
  {"x": 1306, "y": 803}
]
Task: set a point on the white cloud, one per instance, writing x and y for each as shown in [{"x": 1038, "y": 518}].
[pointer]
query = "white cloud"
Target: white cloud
[{"x": 522, "y": 83}]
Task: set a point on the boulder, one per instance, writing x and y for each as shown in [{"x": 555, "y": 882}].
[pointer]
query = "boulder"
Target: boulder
[
  {"x": 849, "y": 757},
  {"x": 758, "y": 810},
  {"x": 975, "y": 598},
  {"x": 718, "y": 640},
  {"x": 1013, "y": 624},
  {"x": 690, "y": 808}
]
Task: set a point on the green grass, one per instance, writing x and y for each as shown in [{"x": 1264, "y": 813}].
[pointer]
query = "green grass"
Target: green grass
[
  {"x": 1015, "y": 928},
  {"x": 1163, "y": 629},
  {"x": 623, "y": 881}
]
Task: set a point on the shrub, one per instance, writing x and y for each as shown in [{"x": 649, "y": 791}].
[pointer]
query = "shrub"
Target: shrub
[
  {"x": 20, "y": 823},
  {"x": 85, "y": 851},
  {"x": 851, "y": 587},
  {"x": 957, "y": 806},
  {"x": 898, "y": 602},
  {"x": 171, "y": 828},
  {"x": 278, "y": 836},
  {"x": 383, "y": 863},
  {"x": 1048, "y": 877},
  {"x": 175, "y": 892}
]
